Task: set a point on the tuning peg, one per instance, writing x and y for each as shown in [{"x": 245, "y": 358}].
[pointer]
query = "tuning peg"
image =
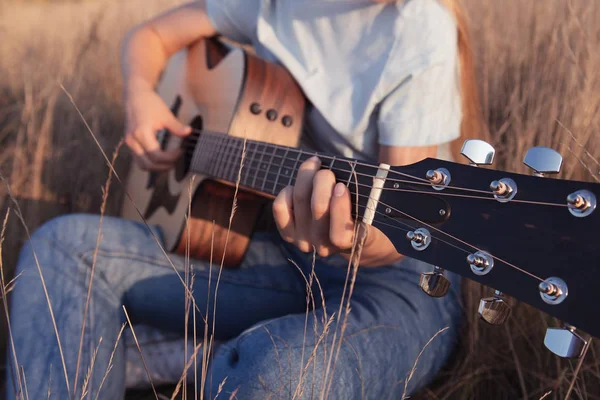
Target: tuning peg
[
  {"x": 543, "y": 160},
  {"x": 435, "y": 284},
  {"x": 494, "y": 310},
  {"x": 565, "y": 342},
  {"x": 478, "y": 152},
  {"x": 420, "y": 239}
]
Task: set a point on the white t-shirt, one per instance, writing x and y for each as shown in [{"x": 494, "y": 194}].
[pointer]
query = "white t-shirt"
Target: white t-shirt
[{"x": 376, "y": 73}]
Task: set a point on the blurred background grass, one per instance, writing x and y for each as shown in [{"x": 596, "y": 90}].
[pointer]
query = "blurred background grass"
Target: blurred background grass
[{"x": 537, "y": 64}]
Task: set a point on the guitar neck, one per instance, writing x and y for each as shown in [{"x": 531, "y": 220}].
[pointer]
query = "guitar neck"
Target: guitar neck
[{"x": 268, "y": 168}]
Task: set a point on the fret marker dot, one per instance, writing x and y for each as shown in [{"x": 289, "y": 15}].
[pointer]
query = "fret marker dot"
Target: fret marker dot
[
  {"x": 388, "y": 210},
  {"x": 285, "y": 171},
  {"x": 396, "y": 185},
  {"x": 264, "y": 166}
]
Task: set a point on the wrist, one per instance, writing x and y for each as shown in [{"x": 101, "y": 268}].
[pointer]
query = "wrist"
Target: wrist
[
  {"x": 135, "y": 85},
  {"x": 377, "y": 250}
]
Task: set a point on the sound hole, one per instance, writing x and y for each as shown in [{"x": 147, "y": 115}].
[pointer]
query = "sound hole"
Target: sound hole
[{"x": 188, "y": 144}]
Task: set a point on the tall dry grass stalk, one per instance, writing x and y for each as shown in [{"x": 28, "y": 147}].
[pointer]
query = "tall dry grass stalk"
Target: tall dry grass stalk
[{"x": 536, "y": 64}]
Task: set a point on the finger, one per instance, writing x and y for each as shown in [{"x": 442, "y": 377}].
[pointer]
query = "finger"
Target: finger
[
  {"x": 167, "y": 157},
  {"x": 149, "y": 142},
  {"x": 341, "y": 225},
  {"x": 176, "y": 127},
  {"x": 283, "y": 214},
  {"x": 302, "y": 200},
  {"x": 141, "y": 158},
  {"x": 323, "y": 184}
]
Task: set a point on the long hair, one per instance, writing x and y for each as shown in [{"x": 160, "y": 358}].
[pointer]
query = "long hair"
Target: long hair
[{"x": 472, "y": 125}]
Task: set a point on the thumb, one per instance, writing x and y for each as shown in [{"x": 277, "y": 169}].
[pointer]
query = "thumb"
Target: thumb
[{"x": 177, "y": 128}]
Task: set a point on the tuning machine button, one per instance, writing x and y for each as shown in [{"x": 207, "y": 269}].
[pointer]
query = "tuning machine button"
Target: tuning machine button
[
  {"x": 553, "y": 290},
  {"x": 565, "y": 342},
  {"x": 435, "y": 284},
  {"x": 543, "y": 160},
  {"x": 420, "y": 239},
  {"x": 478, "y": 152},
  {"x": 581, "y": 203},
  {"x": 440, "y": 178},
  {"x": 504, "y": 189},
  {"x": 481, "y": 263},
  {"x": 494, "y": 310}
]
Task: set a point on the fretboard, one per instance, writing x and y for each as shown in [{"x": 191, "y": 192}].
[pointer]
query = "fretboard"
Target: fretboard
[{"x": 268, "y": 168}]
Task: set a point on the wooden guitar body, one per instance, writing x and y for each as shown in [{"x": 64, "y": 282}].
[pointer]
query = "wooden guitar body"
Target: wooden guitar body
[{"x": 212, "y": 87}]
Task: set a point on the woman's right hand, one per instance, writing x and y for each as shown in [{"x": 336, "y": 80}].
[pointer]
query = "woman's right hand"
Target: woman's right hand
[{"x": 146, "y": 114}]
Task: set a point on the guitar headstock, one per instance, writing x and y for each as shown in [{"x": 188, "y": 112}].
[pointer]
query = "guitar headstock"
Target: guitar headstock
[{"x": 534, "y": 238}]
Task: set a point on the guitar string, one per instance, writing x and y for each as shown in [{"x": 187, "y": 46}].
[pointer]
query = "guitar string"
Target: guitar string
[
  {"x": 366, "y": 207},
  {"x": 426, "y": 183},
  {"x": 190, "y": 151},
  {"x": 451, "y": 236},
  {"x": 257, "y": 169},
  {"x": 409, "y": 228},
  {"x": 215, "y": 134},
  {"x": 429, "y": 184}
]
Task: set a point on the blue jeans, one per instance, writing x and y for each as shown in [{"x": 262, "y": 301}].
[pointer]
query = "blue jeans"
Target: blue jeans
[{"x": 271, "y": 347}]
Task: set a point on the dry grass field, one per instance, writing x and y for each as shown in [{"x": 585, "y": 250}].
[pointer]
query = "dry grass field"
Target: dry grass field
[{"x": 538, "y": 66}]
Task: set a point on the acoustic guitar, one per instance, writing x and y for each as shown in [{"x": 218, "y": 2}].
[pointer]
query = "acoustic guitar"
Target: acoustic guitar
[{"x": 531, "y": 237}]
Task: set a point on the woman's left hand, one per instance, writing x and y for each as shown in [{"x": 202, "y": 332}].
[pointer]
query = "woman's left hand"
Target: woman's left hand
[{"x": 317, "y": 212}]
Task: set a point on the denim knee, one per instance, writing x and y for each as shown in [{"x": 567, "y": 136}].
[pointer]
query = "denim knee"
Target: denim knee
[
  {"x": 268, "y": 362},
  {"x": 66, "y": 230}
]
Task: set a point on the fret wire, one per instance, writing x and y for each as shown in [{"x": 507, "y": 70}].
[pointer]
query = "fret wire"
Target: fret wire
[
  {"x": 217, "y": 163},
  {"x": 207, "y": 161},
  {"x": 279, "y": 171},
  {"x": 262, "y": 187},
  {"x": 240, "y": 160},
  {"x": 195, "y": 162},
  {"x": 232, "y": 156},
  {"x": 292, "y": 173},
  {"x": 259, "y": 164},
  {"x": 351, "y": 174},
  {"x": 209, "y": 165},
  {"x": 223, "y": 164},
  {"x": 239, "y": 149},
  {"x": 233, "y": 163},
  {"x": 252, "y": 170},
  {"x": 224, "y": 158},
  {"x": 248, "y": 161},
  {"x": 331, "y": 164}
]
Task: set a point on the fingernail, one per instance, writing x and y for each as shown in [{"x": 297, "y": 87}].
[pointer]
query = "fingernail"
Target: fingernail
[
  {"x": 339, "y": 189},
  {"x": 314, "y": 159}
]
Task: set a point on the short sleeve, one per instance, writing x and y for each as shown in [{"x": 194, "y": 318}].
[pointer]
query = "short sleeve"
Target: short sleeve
[
  {"x": 423, "y": 110},
  {"x": 235, "y": 19}
]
